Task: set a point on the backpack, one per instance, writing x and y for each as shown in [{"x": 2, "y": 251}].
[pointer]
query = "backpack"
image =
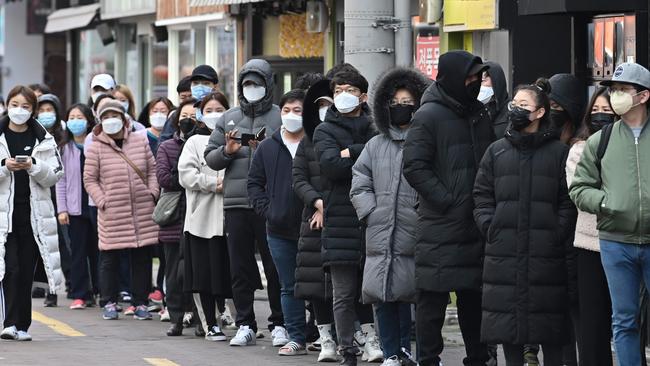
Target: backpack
[{"x": 605, "y": 135}]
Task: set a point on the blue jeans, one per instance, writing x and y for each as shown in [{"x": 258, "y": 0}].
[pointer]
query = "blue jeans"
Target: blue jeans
[
  {"x": 284, "y": 253},
  {"x": 394, "y": 322},
  {"x": 625, "y": 266}
]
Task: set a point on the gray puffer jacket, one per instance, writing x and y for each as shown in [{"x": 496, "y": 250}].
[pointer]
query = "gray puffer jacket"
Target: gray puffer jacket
[
  {"x": 246, "y": 118},
  {"x": 385, "y": 201}
]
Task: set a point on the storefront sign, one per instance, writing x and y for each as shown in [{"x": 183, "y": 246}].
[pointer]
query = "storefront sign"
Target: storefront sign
[
  {"x": 468, "y": 15},
  {"x": 427, "y": 55}
]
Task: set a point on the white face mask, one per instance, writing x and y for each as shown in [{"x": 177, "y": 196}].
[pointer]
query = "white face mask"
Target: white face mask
[
  {"x": 253, "y": 93},
  {"x": 126, "y": 106},
  {"x": 19, "y": 115},
  {"x": 346, "y": 102},
  {"x": 292, "y": 122},
  {"x": 210, "y": 119},
  {"x": 322, "y": 111},
  {"x": 112, "y": 125},
  {"x": 157, "y": 120},
  {"x": 485, "y": 94}
]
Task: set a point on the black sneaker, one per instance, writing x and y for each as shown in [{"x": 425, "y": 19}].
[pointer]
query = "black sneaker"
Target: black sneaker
[
  {"x": 215, "y": 335},
  {"x": 175, "y": 330},
  {"x": 51, "y": 301}
]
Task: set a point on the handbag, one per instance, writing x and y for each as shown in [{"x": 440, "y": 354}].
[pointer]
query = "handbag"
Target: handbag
[{"x": 166, "y": 212}]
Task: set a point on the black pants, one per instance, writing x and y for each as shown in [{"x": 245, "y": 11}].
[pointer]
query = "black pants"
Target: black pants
[
  {"x": 140, "y": 259},
  {"x": 244, "y": 230},
  {"x": 159, "y": 252},
  {"x": 21, "y": 253},
  {"x": 595, "y": 329},
  {"x": 323, "y": 311},
  {"x": 174, "y": 296},
  {"x": 430, "y": 318},
  {"x": 85, "y": 255},
  {"x": 207, "y": 305},
  {"x": 514, "y": 354}
]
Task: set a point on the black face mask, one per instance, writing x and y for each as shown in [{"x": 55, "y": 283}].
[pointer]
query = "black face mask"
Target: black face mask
[
  {"x": 600, "y": 120},
  {"x": 400, "y": 115},
  {"x": 519, "y": 118},
  {"x": 559, "y": 118},
  {"x": 186, "y": 125},
  {"x": 473, "y": 89}
]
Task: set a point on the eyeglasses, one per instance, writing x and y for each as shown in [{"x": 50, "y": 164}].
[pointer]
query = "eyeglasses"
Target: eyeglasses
[
  {"x": 407, "y": 101},
  {"x": 524, "y": 105},
  {"x": 350, "y": 90},
  {"x": 625, "y": 89}
]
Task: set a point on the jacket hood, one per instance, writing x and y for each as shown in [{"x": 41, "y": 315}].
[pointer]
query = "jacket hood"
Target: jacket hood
[
  {"x": 263, "y": 69},
  {"x": 386, "y": 86},
  {"x": 499, "y": 84},
  {"x": 39, "y": 131},
  {"x": 310, "y": 117},
  {"x": 568, "y": 92},
  {"x": 436, "y": 94},
  {"x": 453, "y": 69}
]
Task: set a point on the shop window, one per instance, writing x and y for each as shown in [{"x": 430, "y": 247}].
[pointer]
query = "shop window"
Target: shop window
[
  {"x": 221, "y": 43},
  {"x": 94, "y": 58},
  {"x": 612, "y": 41},
  {"x": 160, "y": 71}
]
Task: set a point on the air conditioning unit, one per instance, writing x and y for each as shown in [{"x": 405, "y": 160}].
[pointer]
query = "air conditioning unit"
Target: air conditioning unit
[
  {"x": 316, "y": 19},
  {"x": 430, "y": 11}
]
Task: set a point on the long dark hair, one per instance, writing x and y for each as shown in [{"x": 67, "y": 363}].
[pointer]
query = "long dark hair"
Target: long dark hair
[
  {"x": 584, "y": 131},
  {"x": 540, "y": 90},
  {"x": 88, "y": 114},
  {"x": 218, "y": 96}
]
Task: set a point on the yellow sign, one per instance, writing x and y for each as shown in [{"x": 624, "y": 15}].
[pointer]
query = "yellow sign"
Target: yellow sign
[{"x": 468, "y": 15}]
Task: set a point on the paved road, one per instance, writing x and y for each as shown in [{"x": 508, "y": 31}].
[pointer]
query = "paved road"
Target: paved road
[{"x": 81, "y": 337}]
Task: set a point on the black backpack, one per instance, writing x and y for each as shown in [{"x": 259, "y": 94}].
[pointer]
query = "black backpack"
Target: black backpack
[{"x": 605, "y": 135}]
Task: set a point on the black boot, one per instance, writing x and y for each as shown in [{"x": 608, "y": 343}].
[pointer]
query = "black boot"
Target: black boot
[
  {"x": 349, "y": 359},
  {"x": 175, "y": 330},
  {"x": 51, "y": 301}
]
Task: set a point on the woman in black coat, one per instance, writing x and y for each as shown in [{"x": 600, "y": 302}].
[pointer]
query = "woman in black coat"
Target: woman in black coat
[{"x": 524, "y": 211}]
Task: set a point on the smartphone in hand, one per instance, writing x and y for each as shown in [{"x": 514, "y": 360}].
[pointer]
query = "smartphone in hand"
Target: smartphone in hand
[{"x": 21, "y": 158}]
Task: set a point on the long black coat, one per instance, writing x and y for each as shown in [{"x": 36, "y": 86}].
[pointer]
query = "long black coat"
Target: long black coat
[
  {"x": 441, "y": 156},
  {"x": 524, "y": 210},
  {"x": 342, "y": 236}
]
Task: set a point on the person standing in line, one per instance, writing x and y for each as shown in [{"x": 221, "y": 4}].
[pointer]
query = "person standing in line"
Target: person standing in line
[
  {"x": 614, "y": 187},
  {"x": 524, "y": 211},
  {"x": 124, "y": 95},
  {"x": 338, "y": 142},
  {"x": 255, "y": 115},
  {"x": 74, "y": 210},
  {"x": 120, "y": 177},
  {"x": 567, "y": 106},
  {"x": 494, "y": 94},
  {"x": 270, "y": 190},
  {"x": 40, "y": 89},
  {"x": 206, "y": 260},
  {"x": 29, "y": 166},
  {"x": 449, "y": 135},
  {"x": 595, "y": 305},
  {"x": 184, "y": 93},
  {"x": 386, "y": 203},
  {"x": 101, "y": 84}
]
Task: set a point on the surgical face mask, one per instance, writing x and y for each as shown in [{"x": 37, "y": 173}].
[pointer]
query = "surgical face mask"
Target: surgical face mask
[
  {"x": 346, "y": 102},
  {"x": 96, "y": 95},
  {"x": 253, "y": 93},
  {"x": 19, "y": 115},
  {"x": 322, "y": 112},
  {"x": 210, "y": 119},
  {"x": 125, "y": 105},
  {"x": 199, "y": 91},
  {"x": 77, "y": 127},
  {"x": 519, "y": 118},
  {"x": 486, "y": 94},
  {"x": 47, "y": 119},
  {"x": 622, "y": 101},
  {"x": 112, "y": 125},
  {"x": 600, "y": 120},
  {"x": 157, "y": 120},
  {"x": 292, "y": 122}
]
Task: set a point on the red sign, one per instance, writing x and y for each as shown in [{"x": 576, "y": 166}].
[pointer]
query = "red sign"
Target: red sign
[{"x": 427, "y": 55}]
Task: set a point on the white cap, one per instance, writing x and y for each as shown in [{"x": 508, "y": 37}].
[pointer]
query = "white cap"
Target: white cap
[{"x": 103, "y": 80}]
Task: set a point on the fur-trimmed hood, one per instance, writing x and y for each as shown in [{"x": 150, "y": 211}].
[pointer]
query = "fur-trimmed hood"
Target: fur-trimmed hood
[{"x": 385, "y": 88}]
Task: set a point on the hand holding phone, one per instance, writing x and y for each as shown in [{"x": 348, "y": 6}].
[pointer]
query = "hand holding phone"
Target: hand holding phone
[{"x": 21, "y": 158}]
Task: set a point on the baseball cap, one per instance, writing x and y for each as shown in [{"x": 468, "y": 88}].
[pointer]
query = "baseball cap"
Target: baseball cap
[
  {"x": 253, "y": 77},
  {"x": 478, "y": 68},
  {"x": 630, "y": 73},
  {"x": 205, "y": 72},
  {"x": 103, "y": 80},
  {"x": 111, "y": 105}
]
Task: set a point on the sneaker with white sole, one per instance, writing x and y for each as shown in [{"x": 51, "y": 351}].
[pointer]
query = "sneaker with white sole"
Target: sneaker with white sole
[
  {"x": 314, "y": 346},
  {"x": 215, "y": 335},
  {"x": 326, "y": 344},
  {"x": 9, "y": 333},
  {"x": 372, "y": 351},
  {"x": 164, "y": 315},
  {"x": 23, "y": 336},
  {"x": 280, "y": 336},
  {"x": 227, "y": 322},
  {"x": 292, "y": 349},
  {"x": 392, "y": 361},
  {"x": 187, "y": 319},
  {"x": 244, "y": 337}
]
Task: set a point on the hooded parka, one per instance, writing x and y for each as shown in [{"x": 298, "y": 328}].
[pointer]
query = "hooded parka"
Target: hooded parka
[
  {"x": 248, "y": 118},
  {"x": 524, "y": 210},
  {"x": 449, "y": 134},
  {"x": 498, "y": 106},
  {"x": 384, "y": 200}
]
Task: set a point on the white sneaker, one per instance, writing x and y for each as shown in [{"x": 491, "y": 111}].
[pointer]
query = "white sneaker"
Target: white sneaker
[
  {"x": 372, "y": 351},
  {"x": 9, "y": 333},
  {"x": 187, "y": 319},
  {"x": 164, "y": 315},
  {"x": 23, "y": 336},
  {"x": 280, "y": 336},
  {"x": 360, "y": 338},
  {"x": 392, "y": 361},
  {"x": 244, "y": 337},
  {"x": 227, "y": 322},
  {"x": 327, "y": 345}
]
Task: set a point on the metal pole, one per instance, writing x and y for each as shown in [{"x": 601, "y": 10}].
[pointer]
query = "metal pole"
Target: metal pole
[
  {"x": 370, "y": 36},
  {"x": 403, "y": 41}
]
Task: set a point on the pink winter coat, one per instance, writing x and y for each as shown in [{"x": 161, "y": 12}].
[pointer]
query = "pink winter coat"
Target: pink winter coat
[{"x": 125, "y": 204}]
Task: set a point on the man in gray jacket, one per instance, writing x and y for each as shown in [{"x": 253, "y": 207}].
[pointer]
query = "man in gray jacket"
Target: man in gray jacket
[{"x": 227, "y": 149}]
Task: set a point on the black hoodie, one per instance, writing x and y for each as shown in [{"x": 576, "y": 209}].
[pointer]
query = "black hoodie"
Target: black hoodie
[
  {"x": 498, "y": 106},
  {"x": 569, "y": 93},
  {"x": 441, "y": 156}
]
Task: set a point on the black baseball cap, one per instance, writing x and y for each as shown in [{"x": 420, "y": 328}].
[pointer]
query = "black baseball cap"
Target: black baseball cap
[{"x": 204, "y": 72}]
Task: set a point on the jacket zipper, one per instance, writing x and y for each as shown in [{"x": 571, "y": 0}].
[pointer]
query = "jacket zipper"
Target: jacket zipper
[{"x": 638, "y": 174}]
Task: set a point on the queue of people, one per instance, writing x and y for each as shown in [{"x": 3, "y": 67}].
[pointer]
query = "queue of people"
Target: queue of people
[{"x": 367, "y": 207}]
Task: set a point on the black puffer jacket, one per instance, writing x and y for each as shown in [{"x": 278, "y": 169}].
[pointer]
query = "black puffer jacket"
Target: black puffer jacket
[
  {"x": 524, "y": 210},
  {"x": 311, "y": 281},
  {"x": 498, "y": 106},
  {"x": 450, "y": 133},
  {"x": 342, "y": 235}
]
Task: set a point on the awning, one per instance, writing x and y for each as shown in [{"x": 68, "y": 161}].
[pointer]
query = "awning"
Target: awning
[
  {"x": 536, "y": 7},
  {"x": 221, "y": 2},
  {"x": 71, "y": 18}
]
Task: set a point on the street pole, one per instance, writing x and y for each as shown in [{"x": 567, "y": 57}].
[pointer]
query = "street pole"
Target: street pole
[
  {"x": 403, "y": 41},
  {"x": 370, "y": 36}
]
